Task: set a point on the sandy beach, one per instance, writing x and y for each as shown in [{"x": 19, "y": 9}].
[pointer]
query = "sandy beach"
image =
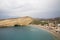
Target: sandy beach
[{"x": 52, "y": 31}]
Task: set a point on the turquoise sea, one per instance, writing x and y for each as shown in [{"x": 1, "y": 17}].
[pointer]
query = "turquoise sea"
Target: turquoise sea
[{"x": 24, "y": 33}]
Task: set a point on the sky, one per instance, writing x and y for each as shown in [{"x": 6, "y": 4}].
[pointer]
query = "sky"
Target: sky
[{"x": 33, "y": 8}]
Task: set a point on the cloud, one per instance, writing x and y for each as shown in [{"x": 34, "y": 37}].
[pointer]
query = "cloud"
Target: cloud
[{"x": 34, "y": 8}]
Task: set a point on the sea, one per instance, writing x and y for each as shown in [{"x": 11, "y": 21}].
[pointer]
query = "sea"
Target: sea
[{"x": 25, "y": 33}]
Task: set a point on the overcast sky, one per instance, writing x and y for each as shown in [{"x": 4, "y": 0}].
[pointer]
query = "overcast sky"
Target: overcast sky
[{"x": 33, "y": 8}]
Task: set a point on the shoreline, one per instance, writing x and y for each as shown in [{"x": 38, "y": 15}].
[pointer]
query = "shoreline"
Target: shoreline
[{"x": 53, "y": 32}]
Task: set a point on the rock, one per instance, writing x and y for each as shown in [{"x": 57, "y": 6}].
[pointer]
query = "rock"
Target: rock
[{"x": 16, "y": 21}]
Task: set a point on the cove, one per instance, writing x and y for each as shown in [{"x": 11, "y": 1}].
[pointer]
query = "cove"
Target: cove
[{"x": 24, "y": 33}]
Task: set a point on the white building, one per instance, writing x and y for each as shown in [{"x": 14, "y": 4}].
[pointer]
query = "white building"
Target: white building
[{"x": 58, "y": 25}]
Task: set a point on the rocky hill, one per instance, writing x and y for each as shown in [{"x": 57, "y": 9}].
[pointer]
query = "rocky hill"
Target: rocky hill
[{"x": 15, "y": 21}]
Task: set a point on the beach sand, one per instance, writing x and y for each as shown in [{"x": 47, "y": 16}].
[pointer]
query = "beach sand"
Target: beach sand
[{"x": 53, "y": 32}]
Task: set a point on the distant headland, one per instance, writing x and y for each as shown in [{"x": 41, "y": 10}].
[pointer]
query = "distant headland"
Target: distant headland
[{"x": 15, "y": 21}]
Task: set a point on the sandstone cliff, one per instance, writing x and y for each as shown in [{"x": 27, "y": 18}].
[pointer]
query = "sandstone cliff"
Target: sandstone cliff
[{"x": 15, "y": 21}]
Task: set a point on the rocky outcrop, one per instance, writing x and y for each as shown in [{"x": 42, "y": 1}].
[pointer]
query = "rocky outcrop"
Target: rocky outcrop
[{"x": 16, "y": 21}]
